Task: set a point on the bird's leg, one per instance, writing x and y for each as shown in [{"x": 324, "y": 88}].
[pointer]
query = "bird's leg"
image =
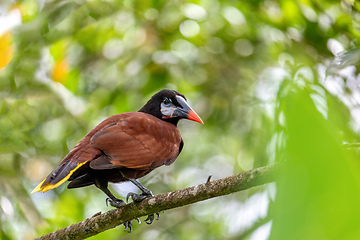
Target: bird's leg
[
  {"x": 139, "y": 197},
  {"x": 114, "y": 201}
]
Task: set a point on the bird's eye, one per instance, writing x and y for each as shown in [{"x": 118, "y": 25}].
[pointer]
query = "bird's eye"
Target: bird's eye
[{"x": 167, "y": 101}]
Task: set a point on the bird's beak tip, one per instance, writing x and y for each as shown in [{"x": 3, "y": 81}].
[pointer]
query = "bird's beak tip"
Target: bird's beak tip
[{"x": 194, "y": 117}]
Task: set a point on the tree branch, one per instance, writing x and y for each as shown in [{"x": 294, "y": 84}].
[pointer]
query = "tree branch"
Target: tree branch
[{"x": 110, "y": 219}]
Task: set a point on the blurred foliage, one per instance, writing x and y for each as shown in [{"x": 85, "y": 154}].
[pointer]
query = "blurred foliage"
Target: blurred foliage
[{"x": 272, "y": 80}]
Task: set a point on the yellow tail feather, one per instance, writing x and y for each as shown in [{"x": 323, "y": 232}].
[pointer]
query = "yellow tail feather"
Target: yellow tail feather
[{"x": 48, "y": 186}]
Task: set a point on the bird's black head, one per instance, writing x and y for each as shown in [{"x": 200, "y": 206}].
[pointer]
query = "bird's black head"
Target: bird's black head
[{"x": 170, "y": 106}]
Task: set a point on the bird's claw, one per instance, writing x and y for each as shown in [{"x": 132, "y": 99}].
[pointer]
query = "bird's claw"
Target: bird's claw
[
  {"x": 128, "y": 225},
  {"x": 136, "y": 197},
  {"x": 128, "y": 196},
  {"x": 115, "y": 202},
  {"x": 151, "y": 218}
]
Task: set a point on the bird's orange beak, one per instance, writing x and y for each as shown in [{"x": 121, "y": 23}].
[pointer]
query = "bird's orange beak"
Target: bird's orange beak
[
  {"x": 194, "y": 117},
  {"x": 185, "y": 111}
]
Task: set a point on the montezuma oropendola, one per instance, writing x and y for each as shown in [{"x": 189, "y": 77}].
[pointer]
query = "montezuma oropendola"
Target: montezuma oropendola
[{"x": 125, "y": 147}]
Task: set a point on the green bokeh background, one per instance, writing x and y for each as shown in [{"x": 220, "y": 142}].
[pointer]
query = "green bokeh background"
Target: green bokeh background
[{"x": 274, "y": 81}]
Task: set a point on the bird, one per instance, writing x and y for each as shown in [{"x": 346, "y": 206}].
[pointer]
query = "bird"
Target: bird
[{"x": 126, "y": 147}]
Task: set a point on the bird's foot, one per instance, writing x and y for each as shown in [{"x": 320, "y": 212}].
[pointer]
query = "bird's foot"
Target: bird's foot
[
  {"x": 115, "y": 202},
  {"x": 128, "y": 225},
  {"x": 138, "y": 197},
  {"x": 118, "y": 203},
  {"x": 151, "y": 218}
]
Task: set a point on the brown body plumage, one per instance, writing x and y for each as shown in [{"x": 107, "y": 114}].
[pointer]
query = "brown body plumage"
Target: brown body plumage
[{"x": 135, "y": 143}]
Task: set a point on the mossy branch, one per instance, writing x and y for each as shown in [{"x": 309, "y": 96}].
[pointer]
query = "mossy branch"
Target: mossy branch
[{"x": 110, "y": 219}]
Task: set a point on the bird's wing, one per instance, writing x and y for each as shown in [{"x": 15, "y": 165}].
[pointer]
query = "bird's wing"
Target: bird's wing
[{"x": 138, "y": 141}]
